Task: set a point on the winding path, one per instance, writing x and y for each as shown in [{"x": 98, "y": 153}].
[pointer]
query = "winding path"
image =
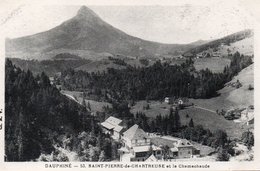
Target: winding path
[{"x": 198, "y": 107}]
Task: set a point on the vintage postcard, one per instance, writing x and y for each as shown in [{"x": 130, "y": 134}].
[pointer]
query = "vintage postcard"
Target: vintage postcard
[{"x": 120, "y": 85}]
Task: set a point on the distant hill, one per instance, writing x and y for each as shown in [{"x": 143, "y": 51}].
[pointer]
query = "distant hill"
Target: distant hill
[
  {"x": 241, "y": 41},
  {"x": 88, "y": 36},
  {"x": 66, "y": 56},
  {"x": 200, "y": 42}
]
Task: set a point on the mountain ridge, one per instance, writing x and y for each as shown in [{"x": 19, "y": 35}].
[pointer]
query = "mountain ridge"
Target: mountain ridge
[
  {"x": 88, "y": 36},
  {"x": 87, "y": 31}
]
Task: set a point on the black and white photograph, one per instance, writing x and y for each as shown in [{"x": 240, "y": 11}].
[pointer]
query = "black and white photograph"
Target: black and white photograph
[{"x": 135, "y": 83}]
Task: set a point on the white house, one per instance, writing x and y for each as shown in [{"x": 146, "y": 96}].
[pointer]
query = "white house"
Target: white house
[
  {"x": 117, "y": 132},
  {"x": 180, "y": 102},
  {"x": 182, "y": 149},
  {"x": 178, "y": 148},
  {"x": 247, "y": 115},
  {"x": 112, "y": 126},
  {"x": 137, "y": 145},
  {"x": 167, "y": 100}
]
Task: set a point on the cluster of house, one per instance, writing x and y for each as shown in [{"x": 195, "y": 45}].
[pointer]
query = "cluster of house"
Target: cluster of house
[
  {"x": 170, "y": 100},
  {"x": 137, "y": 145},
  {"x": 244, "y": 115},
  {"x": 204, "y": 54},
  {"x": 247, "y": 115},
  {"x": 209, "y": 53},
  {"x": 178, "y": 102}
]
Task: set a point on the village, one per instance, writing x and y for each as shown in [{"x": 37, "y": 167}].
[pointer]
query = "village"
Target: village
[{"x": 138, "y": 145}]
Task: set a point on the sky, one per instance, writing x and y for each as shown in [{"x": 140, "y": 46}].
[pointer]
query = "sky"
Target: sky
[{"x": 165, "y": 24}]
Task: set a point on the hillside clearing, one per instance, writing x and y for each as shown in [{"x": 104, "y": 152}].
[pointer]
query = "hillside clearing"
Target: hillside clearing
[
  {"x": 245, "y": 47},
  {"x": 211, "y": 121},
  {"x": 156, "y": 108}
]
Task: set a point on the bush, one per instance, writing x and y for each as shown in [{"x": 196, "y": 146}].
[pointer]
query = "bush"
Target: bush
[
  {"x": 146, "y": 107},
  {"x": 144, "y": 62},
  {"x": 238, "y": 84},
  {"x": 223, "y": 155},
  {"x": 230, "y": 150},
  {"x": 248, "y": 139},
  {"x": 250, "y": 87}
]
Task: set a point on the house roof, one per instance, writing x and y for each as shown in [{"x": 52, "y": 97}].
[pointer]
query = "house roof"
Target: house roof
[
  {"x": 178, "y": 142},
  {"x": 152, "y": 158},
  {"x": 107, "y": 125},
  {"x": 123, "y": 149},
  {"x": 188, "y": 54},
  {"x": 111, "y": 123},
  {"x": 174, "y": 149},
  {"x": 114, "y": 121},
  {"x": 145, "y": 148},
  {"x": 171, "y": 142},
  {"x": 183, "y": 143},
  {"x": 118, "y": 128},
  {"x": 135, "y": 133}
]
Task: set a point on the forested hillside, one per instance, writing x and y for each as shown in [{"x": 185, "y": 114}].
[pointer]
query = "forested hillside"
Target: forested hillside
[
  {"x": 154, "y": 82},
  {"x": 40, "y": 122}
]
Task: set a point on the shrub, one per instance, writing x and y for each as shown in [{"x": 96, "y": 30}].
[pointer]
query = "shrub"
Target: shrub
[{"x": 250, "y": 87}]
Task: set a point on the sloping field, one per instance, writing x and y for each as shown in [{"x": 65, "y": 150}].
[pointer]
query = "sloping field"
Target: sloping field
[
  {"x": 242, "y": 96},
  {"x": 211, "y": 121},
  {"x": 244, "y": 47},
  {"x": 215, "y": 64},
  {"x": 156, "y": 108},
  {"x": 94, "y": 105},
  {"x": 231, "y": 97},
  {"x": 208, "y": 119}
]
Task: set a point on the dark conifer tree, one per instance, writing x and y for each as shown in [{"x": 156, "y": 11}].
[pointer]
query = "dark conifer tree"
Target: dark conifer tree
[{"x": 191, "y": 124}]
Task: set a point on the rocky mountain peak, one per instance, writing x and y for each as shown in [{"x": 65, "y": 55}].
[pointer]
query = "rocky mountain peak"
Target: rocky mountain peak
[{"x": 86, "y": 12}]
